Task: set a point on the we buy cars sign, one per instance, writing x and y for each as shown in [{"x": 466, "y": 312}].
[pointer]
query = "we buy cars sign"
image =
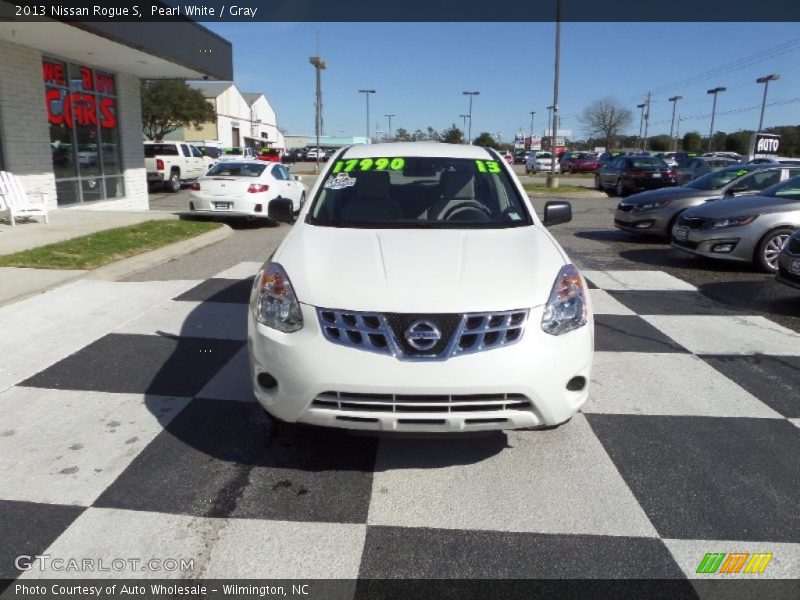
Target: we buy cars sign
[{"x": 766, "y": 144}]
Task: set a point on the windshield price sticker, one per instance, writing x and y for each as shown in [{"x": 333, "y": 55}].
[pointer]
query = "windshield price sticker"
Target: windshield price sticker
[
  {"x": 741, "y": 172},
  {"x": 488, "y": 166},
  {"x": 369, "y": 164},
  {"x": 341, "y": 181}
]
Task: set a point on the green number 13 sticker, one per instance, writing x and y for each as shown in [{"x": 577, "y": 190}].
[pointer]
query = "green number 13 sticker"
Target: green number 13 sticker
[{"x": 488, "y": 166}]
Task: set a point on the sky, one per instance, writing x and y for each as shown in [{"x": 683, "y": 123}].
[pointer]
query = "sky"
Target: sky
[{"x": 419, "y": 71}]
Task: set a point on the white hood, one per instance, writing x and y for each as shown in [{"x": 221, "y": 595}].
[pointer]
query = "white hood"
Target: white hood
[{"x": 420, "y": 270}]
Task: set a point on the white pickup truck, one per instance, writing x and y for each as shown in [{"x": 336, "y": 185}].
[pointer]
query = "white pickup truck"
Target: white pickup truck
[{"x": 170, "y": 164}]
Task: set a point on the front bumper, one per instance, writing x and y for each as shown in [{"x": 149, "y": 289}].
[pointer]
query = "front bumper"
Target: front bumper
[
  {"x": 725, "y": 243},
  {"x": 650, "y": 222},
  {"x": 789, "y": 270},
  {"x": 307, "y": 367}
]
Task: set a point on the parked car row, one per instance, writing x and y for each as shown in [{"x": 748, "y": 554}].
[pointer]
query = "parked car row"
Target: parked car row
[{"x": 743, "y": 213}]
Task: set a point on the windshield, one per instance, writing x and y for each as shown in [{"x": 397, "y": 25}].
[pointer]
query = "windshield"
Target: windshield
[
  {"x": 236, "y": 169},
  {"x": 151, "y": 150},
  {"x": 643, "y": 162},
  {"x": 418, "y": 192},
  {"x": 716, "y": 179},
  {"x": 233, "y": 151},
  {"x": 543, "y": 155},
  {"x": 789, "y": 189}
]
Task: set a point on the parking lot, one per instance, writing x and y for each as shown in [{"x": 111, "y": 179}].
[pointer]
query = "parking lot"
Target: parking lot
[{"x": 138, "y": 419}]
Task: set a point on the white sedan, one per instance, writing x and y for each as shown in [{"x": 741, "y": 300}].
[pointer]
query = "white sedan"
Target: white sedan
[
  {"x": 419, "y": 291},
  {"x": 245, "y": 189}
]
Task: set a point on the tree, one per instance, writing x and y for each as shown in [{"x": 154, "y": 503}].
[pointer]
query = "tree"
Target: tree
[
  {"x": 432, "y": 135},
  {"x": 402, "y": 135},
  {"x": 169, "y": 104},
  {"x": 606, "y": 118},
  {"x": 486, "y": 139},
  {"x": 691, "y": 141},
  {"x": 453, "y": 135},
  {"x": 738, "y": 142},
  {"x": 660, "y": 143}
]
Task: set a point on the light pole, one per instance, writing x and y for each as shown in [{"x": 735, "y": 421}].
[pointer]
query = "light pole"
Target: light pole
[
  {"x": 533, "y": 112},
  {"x": 319, "y": 65},
  {"x": 715, "y": 91},
  {"x": 470, "y": 94},
  {"x": 465, "y": 117},
  {"x": 646, "y": 122},
  {"x": 552, "y": 180},
  {"x": 674, "y": 140},
  {"x": 641, "y": 122},
  {"x": 390, "y": 124},
  {"x": 367, "y": 93},
  {"x": 765, "y": 81}
]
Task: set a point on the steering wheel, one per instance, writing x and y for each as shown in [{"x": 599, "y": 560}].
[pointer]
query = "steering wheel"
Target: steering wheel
[{"x": 466, "y": 205}]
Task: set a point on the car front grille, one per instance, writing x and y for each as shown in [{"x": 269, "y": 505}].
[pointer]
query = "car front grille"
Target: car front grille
[
  {"x": 624, "y": 207},
  {"x": 693, "y": 223},
  {"x": 421, "y": 403},
  {"x": 388, "y": 333}
]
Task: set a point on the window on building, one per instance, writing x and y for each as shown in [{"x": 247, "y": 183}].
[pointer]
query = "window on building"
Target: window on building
[{"x": 84, "y": 132}]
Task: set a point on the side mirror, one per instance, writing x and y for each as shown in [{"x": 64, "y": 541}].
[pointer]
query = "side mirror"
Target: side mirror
[
  {"x": 281, "y": 210},
  {"x": 738, "y": 190},
  {"x": 557, "y": 212}
]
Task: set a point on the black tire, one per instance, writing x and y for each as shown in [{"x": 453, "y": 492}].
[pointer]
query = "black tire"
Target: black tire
[
  {"x": 670, "y": 226},
  {"x": 173, "y": 184},
  {"x": 597, "y": 184},
  {"x": 619, "y": 189},
  {"x": 766, "y": 257}
]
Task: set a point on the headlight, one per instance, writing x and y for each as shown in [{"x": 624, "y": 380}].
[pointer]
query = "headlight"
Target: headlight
[
  {"x": 277, "y": 304},
  {"x": 733, "y": 221},
  {"x": 652, "y": 205},
  {"x": 566, "y": 308}
]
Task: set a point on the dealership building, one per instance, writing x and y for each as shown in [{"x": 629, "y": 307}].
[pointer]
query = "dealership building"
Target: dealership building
[{"x": 70, "y": 108}]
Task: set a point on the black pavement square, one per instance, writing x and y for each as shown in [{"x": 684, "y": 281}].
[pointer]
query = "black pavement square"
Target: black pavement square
[
  {"x": 224, "y": 459},
  {"x": 232, "y": 291},
  {"x": 660, "y": 302},
  {"x": 775, "y": 380},
  {"x": 140, "y": 364},
  {"x": 708, "y": 477},
  {"x": 630, "y": 333},
  {"x": 424, "y": 553},
  {"x": 28, "y": 528}
]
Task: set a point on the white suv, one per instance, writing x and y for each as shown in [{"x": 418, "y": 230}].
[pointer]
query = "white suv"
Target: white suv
[{"x": 419, "y": 291}]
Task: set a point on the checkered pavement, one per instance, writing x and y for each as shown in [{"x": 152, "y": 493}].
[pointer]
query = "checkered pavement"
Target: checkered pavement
[{"x": 129, "y": 430}]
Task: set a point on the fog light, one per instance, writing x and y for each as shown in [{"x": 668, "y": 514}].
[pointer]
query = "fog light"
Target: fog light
[
  {"x": 644, "y": 225},
  {"x": 722, "y": 248},
  {"x": 267, "y": 381},
  {"x": 259, "y": 208},
  {"x": 576, "y": 384}
]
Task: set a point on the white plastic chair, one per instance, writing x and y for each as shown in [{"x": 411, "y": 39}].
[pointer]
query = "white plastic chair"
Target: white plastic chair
[{"x": 16, "y": 203}]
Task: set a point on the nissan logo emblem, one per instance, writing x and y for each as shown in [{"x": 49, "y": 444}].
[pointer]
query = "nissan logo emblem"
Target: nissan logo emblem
[{"x": 422, "y": 335}]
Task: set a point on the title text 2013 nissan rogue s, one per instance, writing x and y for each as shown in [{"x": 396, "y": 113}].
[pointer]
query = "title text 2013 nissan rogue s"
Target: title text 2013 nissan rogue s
[{"x": 419, "y": 291}]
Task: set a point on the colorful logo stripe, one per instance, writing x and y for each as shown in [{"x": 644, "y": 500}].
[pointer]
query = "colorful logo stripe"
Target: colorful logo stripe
[{"x": 714, "y": 562}]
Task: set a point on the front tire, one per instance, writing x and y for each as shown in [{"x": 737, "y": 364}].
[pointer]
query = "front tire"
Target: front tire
[
  {"x": 597, "y": 184},
  {"x": 769, "y": 247},
  {"x": 619, "y": 189}
]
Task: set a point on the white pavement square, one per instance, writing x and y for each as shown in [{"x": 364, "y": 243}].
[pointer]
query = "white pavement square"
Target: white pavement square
[
  {"x": 229, "y": 548},
  {"x": 705, "y": 334},
  {"x": 67, "y": 447},
  {"x": 784, "y": 564},
  {"x": 559, "y": 481},
  {"x": 216, "y": 320},
  {"x": 243, "y": 270},
  {"x": 637, "y": 280},
  {"x": 44, "y": 329},
  {"x": 604, "y": 303},
  {"x": 622, "y": 383}
]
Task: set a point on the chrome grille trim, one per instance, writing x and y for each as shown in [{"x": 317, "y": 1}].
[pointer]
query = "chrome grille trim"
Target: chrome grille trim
[
  {"x": 428, "y": 403},
  {"x": 371, "y": 331}
]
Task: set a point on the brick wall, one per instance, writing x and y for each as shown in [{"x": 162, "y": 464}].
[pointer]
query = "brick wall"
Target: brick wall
[{"x": 26, "y": 136}]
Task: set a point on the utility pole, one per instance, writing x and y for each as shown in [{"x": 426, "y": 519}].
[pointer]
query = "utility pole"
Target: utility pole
[
  {"x": 674, "y": 101},
  {"x": 319, "y": 65},
  {"x": 646, "y": 122},
  {"x": 641, "y": 123},
  {"x": 390, "y": 124},
  {"x": 677, "y": 134},
  {"x": 470, "y": 94},
  {"x": 367, "y": 93},
  {"x": 533, "y": 112},
  {"x": 715, "y": 91},
  {"x": 552, "y": 180}
]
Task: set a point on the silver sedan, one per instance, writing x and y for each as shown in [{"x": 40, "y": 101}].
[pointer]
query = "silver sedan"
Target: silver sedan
[
  {"x": 789, "y": 262},
  {"x": 752, "y": 229}
]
